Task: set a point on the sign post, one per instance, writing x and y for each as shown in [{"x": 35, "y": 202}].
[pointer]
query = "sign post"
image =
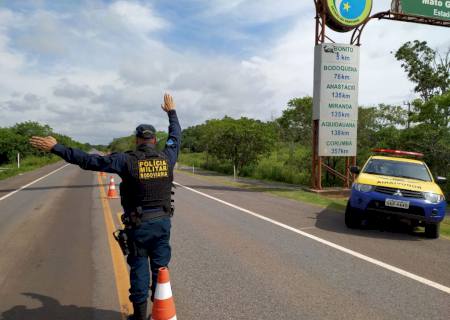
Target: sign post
[
  {"x": 336, "y": 84},
  {"x": 336, "y": 77}
]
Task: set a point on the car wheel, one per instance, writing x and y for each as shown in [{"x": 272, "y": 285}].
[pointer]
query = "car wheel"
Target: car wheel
[
  {"x": 432, "y": 230},
  {"x": 352, "y": 220}
]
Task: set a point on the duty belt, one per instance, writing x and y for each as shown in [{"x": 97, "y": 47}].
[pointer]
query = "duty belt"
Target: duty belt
[
  {"x": 153, "y": 215},
  {"x": 135, "y": 217}
]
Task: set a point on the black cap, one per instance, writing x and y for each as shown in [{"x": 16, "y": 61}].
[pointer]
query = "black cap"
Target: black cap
[{"x": 145, "y": 131}]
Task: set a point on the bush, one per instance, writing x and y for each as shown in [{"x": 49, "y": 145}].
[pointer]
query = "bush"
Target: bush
[
  {"x": 14, "y": 140},
  {"x": 288, "y": 164},
  {"x": 27, "y": 164}
]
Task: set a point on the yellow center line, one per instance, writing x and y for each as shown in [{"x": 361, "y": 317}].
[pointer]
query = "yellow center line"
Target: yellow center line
[{"x": 119, "y": 266}]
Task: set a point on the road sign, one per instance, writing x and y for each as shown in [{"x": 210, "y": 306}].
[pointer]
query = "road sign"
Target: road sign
[
  {"x": 345, "y": 15},
  {"x": 336, "y": 82},
  {"x": 435, "y": 9}
]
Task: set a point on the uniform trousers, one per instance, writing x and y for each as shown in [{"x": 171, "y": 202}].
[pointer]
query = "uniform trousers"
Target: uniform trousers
[{"x": 153, "y": 252}]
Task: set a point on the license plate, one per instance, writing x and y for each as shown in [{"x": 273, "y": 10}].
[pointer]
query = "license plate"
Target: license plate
[{"x": 397, "y": 203}]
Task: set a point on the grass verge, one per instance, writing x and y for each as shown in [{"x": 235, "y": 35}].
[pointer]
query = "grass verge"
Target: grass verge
[
  {"x": 27, "y": 164},
  {"x": 445, "y": 226},
  {"x": 337, "y": 203}
]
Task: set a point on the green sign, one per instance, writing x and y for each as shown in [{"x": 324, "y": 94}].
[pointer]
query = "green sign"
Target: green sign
[
  {"x": 435, "y": 9},
  {"x": 345, "y": 15}
]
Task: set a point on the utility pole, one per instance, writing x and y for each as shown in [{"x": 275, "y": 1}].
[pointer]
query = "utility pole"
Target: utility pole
[{"x": 407, "y": 103}]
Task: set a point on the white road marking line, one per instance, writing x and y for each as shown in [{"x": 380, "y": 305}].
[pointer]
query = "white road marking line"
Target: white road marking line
[
  {"x": 32, "y": 182},
  {"x": 330, "y": 244},
  {"x": 307, "y": 228}
]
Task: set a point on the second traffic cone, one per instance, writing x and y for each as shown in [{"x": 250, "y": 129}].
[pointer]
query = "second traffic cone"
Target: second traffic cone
[
  {"x": 112, "y": 193},
  {"x": 163, "y": 304}
]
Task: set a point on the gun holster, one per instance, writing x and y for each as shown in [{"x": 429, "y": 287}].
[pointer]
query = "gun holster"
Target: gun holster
[
  {"x": 121, "y": 237},
  {"x": 127, "y": 244}
]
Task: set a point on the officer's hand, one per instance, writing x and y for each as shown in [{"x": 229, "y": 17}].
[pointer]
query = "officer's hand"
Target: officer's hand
[
  {"x": 168, "y": 103},
  {"x": 43, "y": 143}
]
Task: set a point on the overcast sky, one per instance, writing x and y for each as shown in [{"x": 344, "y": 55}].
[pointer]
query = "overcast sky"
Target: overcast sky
[{"x": 96, "y": 69}]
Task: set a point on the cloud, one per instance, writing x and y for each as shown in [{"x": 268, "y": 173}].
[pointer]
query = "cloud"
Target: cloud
[
  {"x": 254, "y": 12},
  {"x": 92, "y": 34},
  {"x": 22, "y": 104},
  {"x": 9, "y": 60},
  {"x": 138, "y": 17},
  {"x": 72, "y": 91},
  {"x": 46, "y": 38}
]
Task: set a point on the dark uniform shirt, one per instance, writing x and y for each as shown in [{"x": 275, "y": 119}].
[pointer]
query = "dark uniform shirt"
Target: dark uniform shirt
[{"x": 117, "y": 162}]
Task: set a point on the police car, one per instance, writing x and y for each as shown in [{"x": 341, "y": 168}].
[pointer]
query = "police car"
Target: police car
[{"x": 394, "y": 186}]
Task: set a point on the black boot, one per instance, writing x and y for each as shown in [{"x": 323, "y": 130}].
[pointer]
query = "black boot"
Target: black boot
[{"x": 140, "y": 311}]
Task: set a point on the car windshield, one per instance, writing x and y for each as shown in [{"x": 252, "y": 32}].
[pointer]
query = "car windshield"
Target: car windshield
[{"x": 398, "y": 169}]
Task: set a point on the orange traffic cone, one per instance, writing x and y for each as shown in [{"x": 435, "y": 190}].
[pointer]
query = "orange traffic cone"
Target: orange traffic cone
[
  {"x": 163, "y": 304},
  {"x": 112, "y": 193}
]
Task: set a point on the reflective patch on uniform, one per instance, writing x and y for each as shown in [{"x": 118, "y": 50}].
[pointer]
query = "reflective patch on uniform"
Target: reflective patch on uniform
[
  {"x": 153, "y": 169},
  {"x": 170, "y": 142}
]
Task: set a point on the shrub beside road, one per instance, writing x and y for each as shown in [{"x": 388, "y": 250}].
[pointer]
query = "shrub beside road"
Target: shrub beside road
[
  {"x": 28, "y": 164},
  {"x": 14, "y": 140}
]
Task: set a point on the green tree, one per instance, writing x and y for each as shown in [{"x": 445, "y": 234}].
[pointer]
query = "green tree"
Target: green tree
[
  {"x": 123, "y": 144},
  {"x": 435, "y": 111},
  {"x": 296, "y": 121},
  {"x": 31, "y": 128},
  {"x": 161, "y": 139},
  {"x": 14, "y": 140},
  {"x": 194, "y": 138},
  {"x": 129, "y": 142},
  {"x": 10, "y": 144},
  {"x": 24, "y": 131},
  {"x": 379, "y": 127},
  {"x": 427, "y": 68},
  {"x": 433, "y": 142},
  {"x": 391, "y": 116},
  {"x": 241, "y": 142}
]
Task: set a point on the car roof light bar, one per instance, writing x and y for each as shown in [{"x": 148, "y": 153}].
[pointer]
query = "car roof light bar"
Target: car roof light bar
[{"x": 399, "y": 152}]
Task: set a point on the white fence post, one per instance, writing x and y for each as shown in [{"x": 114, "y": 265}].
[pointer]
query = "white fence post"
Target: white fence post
[{"x": 18, "y": 160}]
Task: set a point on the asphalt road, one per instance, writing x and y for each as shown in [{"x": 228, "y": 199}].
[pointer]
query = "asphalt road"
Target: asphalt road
[
  {"x": 54, "y": 257},
  {"x": 236, "y": 255}
]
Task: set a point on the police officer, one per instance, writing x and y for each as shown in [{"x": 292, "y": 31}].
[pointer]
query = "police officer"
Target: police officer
[{"x": 145, "y": 192}]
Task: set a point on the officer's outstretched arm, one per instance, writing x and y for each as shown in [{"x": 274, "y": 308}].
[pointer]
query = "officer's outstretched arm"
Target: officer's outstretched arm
[{"x": 114, "y": 163}]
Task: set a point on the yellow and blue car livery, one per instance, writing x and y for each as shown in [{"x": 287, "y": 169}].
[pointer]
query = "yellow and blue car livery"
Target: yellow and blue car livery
[{"x": 397, "y": 187}]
